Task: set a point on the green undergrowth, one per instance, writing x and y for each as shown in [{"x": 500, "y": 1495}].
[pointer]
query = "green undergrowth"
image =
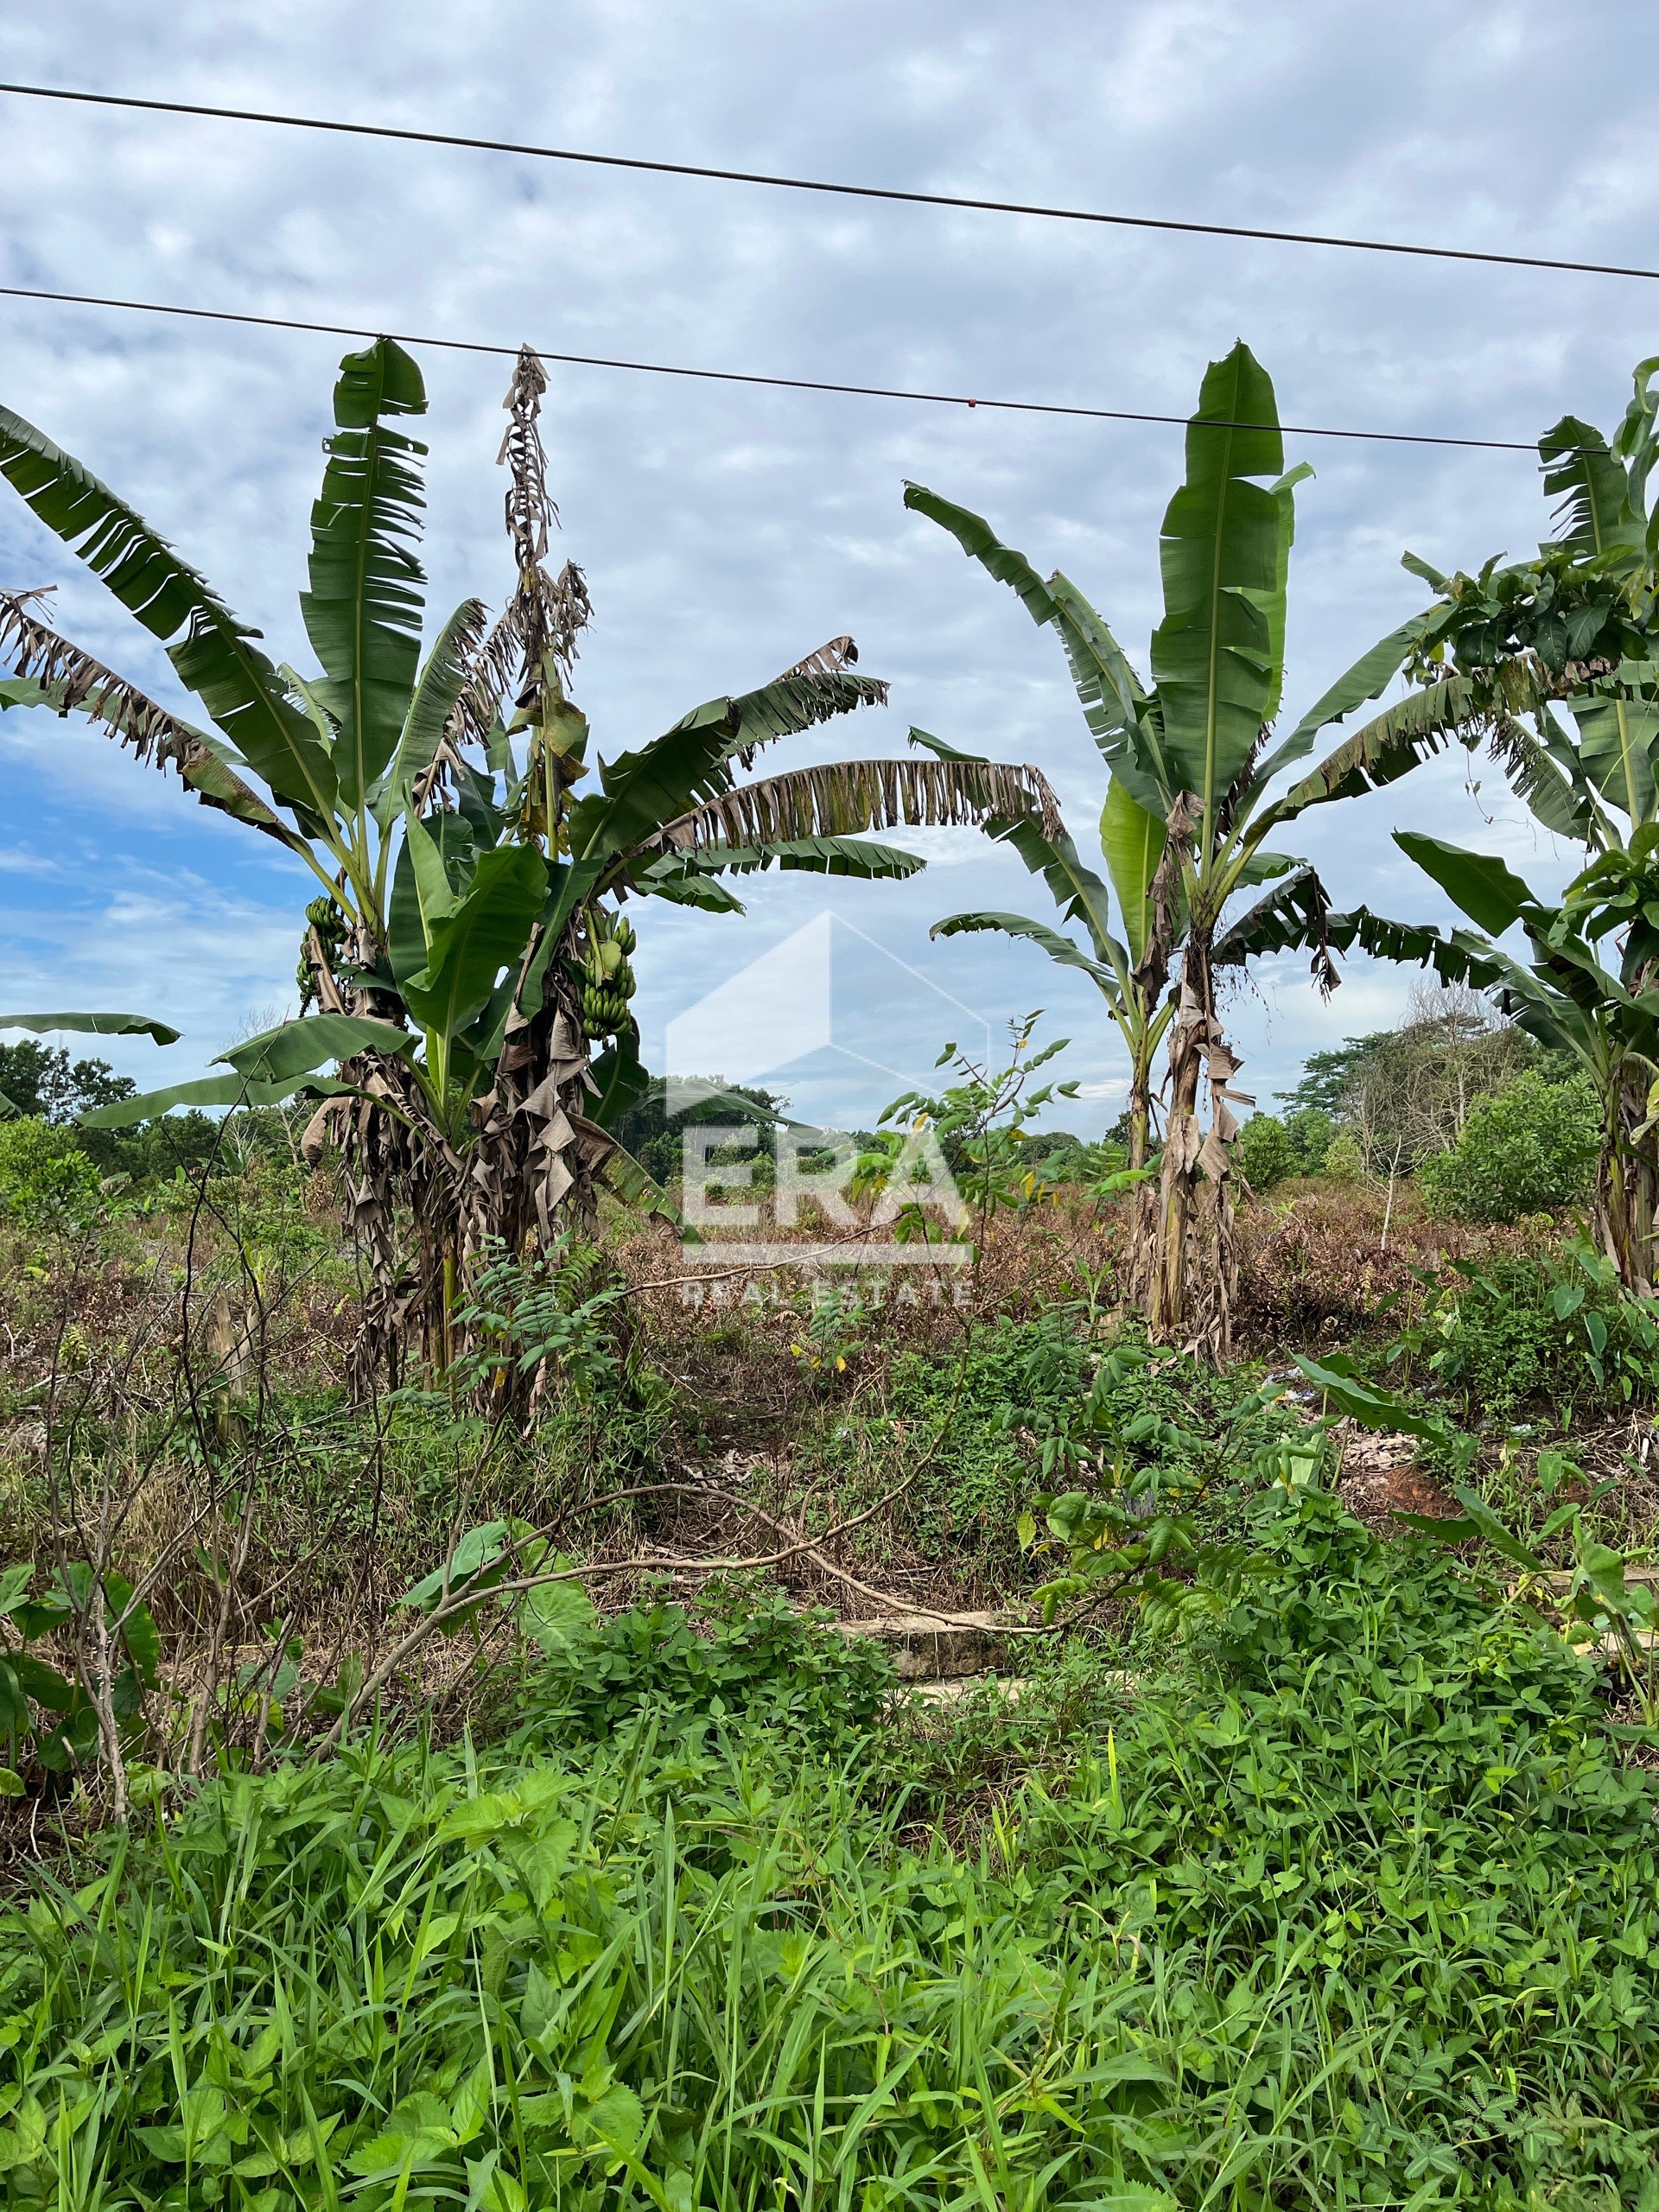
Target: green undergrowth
[
  {"x": 752, "y": 1660},
  {"x": 1550, "y": 1337},
  {"x": 948, "y": 1425},
  {"x": 1355, "y": 1906}
]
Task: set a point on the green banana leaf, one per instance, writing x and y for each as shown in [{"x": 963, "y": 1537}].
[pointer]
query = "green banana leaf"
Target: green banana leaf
[
  {"x": 1277, "y": 607},
  {"x": 1114, "y": 700},
  {"x": 214, "y": 1091},
  {"x": 798, "y": 701},
  {"x": 1549, "y": 775},
  {"x": 295, "y": 1048},
  {"x": 981, "y": 543},
  {"x": 1617, "y": 736},
  {"x": 1370, "y": 676},
  {"x": 1076, "y": 890},
  {"x": 1388, "y": 747},
  {"x": 1296, "y": 915},
  {"x": 941, "y": 751},
  {"x": 627, "y": 1180},
  {"x": 1211, "y": 662},
  {"x": 488, "y": 930},
  {"x": 1492, "y": 895},
  {"x": 93, "y": 1024},
  {"x": 1595, "y": 515},
  {"x": 363, "y": 611},
  {"x": 1125, "y": 724},
  {"x": 568, "y": 884},
  {"x": 451, "y": 836},
  {"x": 442, "y": 679},
  {"x": 1057, "y": 947},
  {"x": 216, "y": 657},
  {"x": 1133, "y": 842},
  {"x": 688, "y": 887}
]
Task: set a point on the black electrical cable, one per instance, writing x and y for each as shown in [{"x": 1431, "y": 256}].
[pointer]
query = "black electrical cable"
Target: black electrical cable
[
  {"x": 817, "y": 184},
  {"x": 740, "y": 376}
]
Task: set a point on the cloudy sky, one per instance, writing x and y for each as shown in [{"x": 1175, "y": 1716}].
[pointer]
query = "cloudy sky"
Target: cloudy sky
[{"x": 726, "y": 531}]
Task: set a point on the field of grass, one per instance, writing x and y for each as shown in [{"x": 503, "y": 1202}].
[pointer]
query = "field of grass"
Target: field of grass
[{"x": 1339, "y": 1890}]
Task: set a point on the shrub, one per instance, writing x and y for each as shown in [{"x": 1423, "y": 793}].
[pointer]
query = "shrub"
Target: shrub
[
  {"x": 1344, "y": 1160},
  {"x": 1529, "y": 1149},
  {"x": 1512, "y": 1330},
  {"x": 761, "y": 1664},
  {"x": 44, "y": 1175},
  {"x": 1311, "y": 1131},
  {"x": 1270, "y": 1149},
  {"x": 1267, "y": 1153}
]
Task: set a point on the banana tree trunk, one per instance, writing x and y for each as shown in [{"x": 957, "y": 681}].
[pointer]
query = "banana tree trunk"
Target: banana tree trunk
[
  {"x": 1143, "y": 1198},
  {"x": 1627, "y": 1186},
  {"x": 539, "y": 1153},
  {"x": 1194, "y": 1270},
  {"x": 1139, "y": 1120},
  {"x": 425, "y": 1212}
]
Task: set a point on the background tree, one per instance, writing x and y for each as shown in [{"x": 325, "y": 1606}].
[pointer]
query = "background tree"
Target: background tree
[{"x": 1405, "y": 1094}]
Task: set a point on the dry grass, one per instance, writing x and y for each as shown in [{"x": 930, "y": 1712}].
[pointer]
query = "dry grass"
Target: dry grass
[{"x": 1321, "y": 1264}]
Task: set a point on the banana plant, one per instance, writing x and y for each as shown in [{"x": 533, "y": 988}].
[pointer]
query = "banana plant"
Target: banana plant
[
  {"x": 1565, "y": 648},
  {"x": 1564, "y": 645},
  {"x": 1130, "y": 973},
  {"x": 1586, "y": 989},
  {"x": 465, "y": 955},
  {"x": 1193, "y": 753}
]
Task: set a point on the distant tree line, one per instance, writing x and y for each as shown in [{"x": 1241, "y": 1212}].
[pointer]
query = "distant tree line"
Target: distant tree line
[{"x": 1490, "y": 1123}]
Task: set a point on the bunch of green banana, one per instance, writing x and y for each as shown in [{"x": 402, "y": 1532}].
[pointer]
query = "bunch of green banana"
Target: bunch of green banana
[
  {"x": 607, "y": 979},
  {"x": 326, "y": 918}
]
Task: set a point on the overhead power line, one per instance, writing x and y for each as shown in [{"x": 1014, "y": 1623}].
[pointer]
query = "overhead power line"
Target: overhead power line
[
  {"x": 822, "y": 184},
  {"x": 747, "y": 377}
]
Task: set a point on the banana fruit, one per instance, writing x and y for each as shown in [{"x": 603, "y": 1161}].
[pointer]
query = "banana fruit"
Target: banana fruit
[{"x": 607, "y": 980}]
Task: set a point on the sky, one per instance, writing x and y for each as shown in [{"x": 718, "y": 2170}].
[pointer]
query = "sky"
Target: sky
[{"x": 726, "y": 532}]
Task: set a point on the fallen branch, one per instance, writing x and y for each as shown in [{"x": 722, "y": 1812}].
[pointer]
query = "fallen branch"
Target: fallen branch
[{"x": 452, "y": 1605}]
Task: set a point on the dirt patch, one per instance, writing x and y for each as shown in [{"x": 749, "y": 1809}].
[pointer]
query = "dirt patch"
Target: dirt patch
[{"x": 1380, "y": 1478}]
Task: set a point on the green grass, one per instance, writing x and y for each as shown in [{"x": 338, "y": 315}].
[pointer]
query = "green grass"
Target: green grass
[{"x": 1357, "y": 1909}]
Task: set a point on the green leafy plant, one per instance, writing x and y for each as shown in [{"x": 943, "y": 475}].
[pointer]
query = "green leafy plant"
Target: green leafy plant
[
  {"x": 51, "y": 1719},
  {"x": 1115, "y": 1553},
  {"x": 755, "y": 1662},
  {"x": 558, "y": 1311},
  {"x": 1270, "y": 1149},
  {"x": 977, "y": 1128},
  {"x": 45, "y": 1176},
  {"x": 1362, "y": 1896},
  {"x": 467, "y": 1590},
  {"x": 1192, "y": 805},
  {"x": 1530, "y": 1148},
  {"x": 1267, "y": 1153},
  {"x": 836, "y": 1323},
  {"x": 1593, "y": 1593}
]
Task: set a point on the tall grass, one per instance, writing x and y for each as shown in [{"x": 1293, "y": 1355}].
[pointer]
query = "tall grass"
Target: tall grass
[{"x": 1364, "y": 1913}]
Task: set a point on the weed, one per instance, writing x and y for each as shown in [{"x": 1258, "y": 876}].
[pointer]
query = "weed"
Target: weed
[{"x": 1361, "y": 1913}]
